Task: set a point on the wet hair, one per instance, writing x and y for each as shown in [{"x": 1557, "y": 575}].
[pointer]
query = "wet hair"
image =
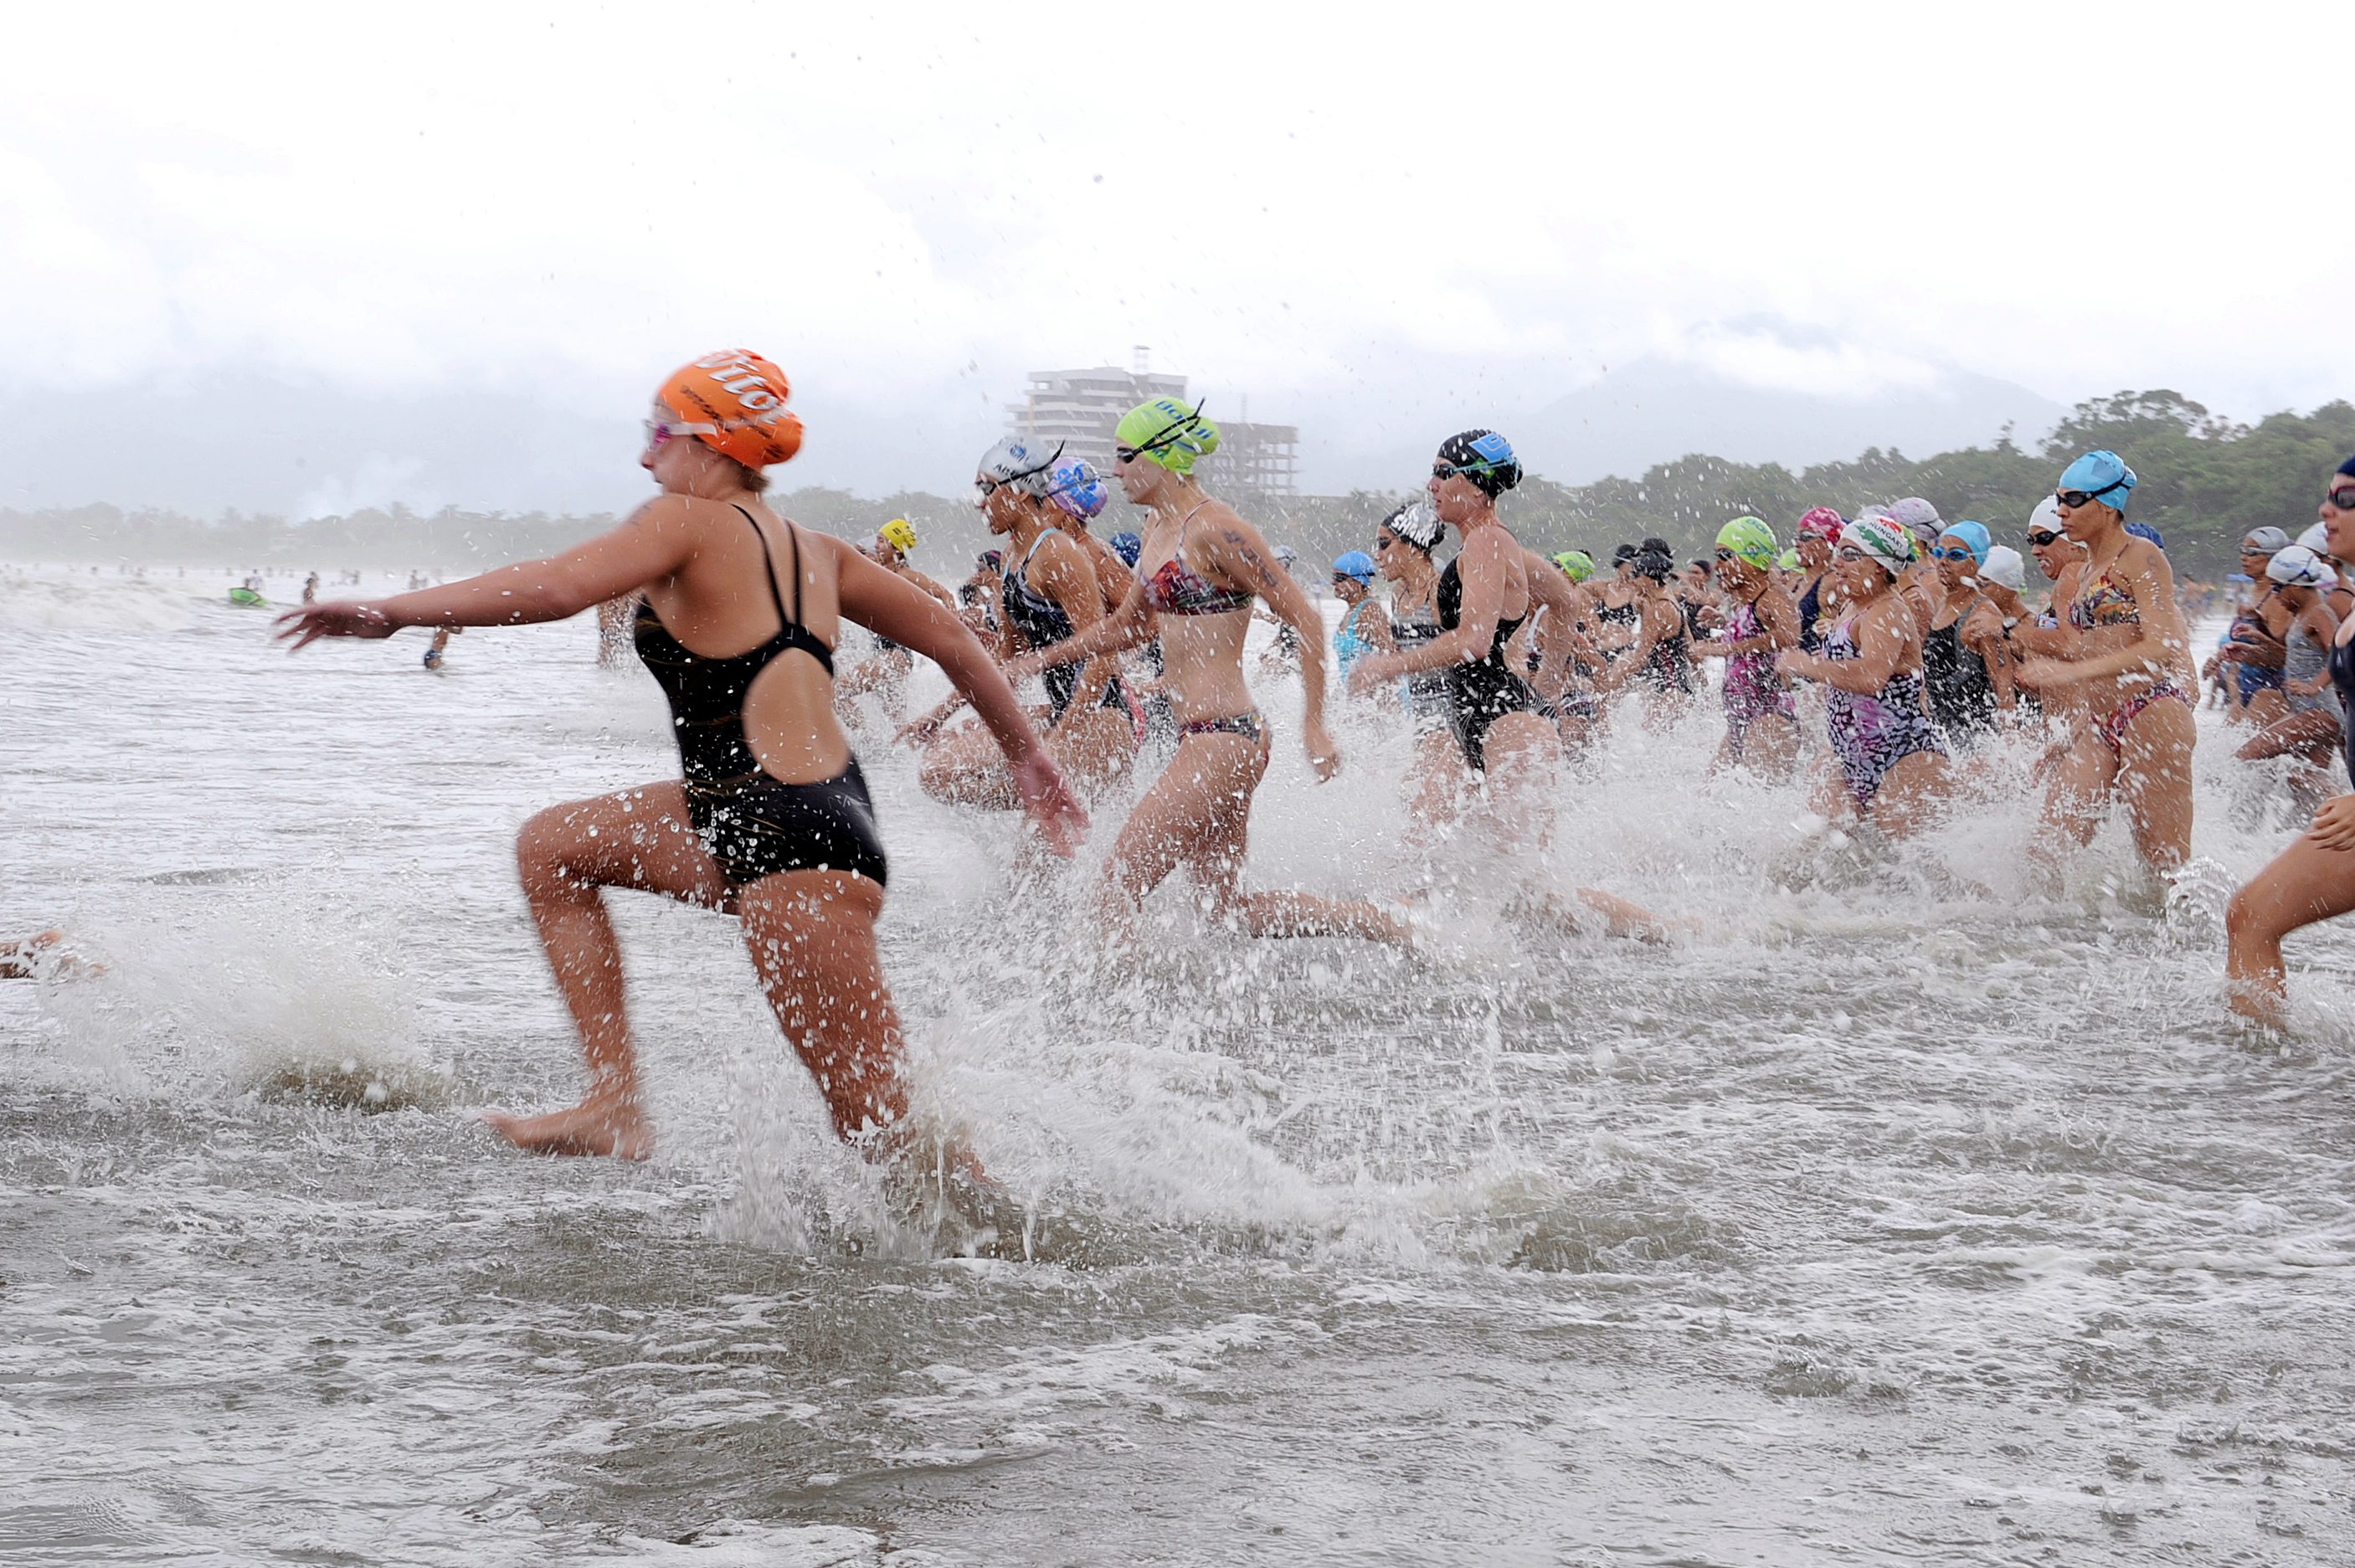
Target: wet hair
[{"x": 1658, "y": 565}]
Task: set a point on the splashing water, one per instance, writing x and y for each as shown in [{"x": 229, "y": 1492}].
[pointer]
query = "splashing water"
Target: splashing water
[{"x": 1915, "y": 1206}]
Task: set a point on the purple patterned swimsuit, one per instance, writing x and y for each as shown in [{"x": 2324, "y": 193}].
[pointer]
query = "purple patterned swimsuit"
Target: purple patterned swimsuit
[
  {"x": 1752, "y": 690},
  {"x": 1872, "y": 734}
]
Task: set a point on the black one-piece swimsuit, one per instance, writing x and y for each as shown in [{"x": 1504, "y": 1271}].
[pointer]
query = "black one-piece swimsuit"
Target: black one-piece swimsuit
[{"x": 756, "y": 825}]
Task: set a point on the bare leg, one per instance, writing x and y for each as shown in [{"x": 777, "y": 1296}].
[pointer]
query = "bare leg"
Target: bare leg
[
  {"x": 1912, "y": 794},
  {"x": 2076, "y": 791},
  {"x": 969, "y": 768},
  {"x": 1772, "y": 746},
  {"x": 812, "y": 938},
  {"x": 2155, "y": 779},
  {"x": 567, "y": 855},
  {"x": 1218, "y": 861},
  {"x": 1828, "y": 796},
  {"x": 2303, "y": 884},
  {"x": 2303, "y": 734}
]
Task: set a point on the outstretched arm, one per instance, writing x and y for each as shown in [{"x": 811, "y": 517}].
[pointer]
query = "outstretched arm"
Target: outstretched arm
[{"x": 655, "y": 541}]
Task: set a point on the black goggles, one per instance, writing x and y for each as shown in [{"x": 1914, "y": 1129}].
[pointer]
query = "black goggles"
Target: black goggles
[
  {"x": 2043, "y": 538},
  {"x": 1166, "y": 435},
  {"x": 2072, "y": 499}
]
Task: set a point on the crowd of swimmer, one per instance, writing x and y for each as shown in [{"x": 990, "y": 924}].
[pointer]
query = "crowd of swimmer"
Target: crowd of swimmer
[
  {"x": 1912, "y": 631},
  {"x": 1890, "y": 646}
]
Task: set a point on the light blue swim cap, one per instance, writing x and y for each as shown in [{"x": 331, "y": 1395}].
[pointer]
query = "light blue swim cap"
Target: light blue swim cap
[
  {"x": 1974, "y": 535},
  {"x": 2104, "y": 475},
  {"x": 1356, "y": 564}
]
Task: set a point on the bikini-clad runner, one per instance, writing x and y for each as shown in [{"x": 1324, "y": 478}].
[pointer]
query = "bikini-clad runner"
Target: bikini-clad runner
[
  {"x": 1201, "y": 568},
  {"x": 771, "y": 821},
  {"x": 2127, "y": 651}
]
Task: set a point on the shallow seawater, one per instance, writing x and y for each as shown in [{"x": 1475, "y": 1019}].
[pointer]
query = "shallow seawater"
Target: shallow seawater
[{"x": 1911, "y": 1211}]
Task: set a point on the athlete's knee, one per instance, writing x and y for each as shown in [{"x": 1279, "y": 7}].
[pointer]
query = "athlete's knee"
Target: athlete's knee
[{"x": 544, "y": 846}]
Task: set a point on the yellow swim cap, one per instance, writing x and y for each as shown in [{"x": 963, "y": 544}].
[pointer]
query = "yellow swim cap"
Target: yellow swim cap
[{"x": 898, "y": 535}]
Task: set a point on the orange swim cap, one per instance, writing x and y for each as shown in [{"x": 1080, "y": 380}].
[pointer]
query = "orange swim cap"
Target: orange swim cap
[{"x": 742, "y": 397}]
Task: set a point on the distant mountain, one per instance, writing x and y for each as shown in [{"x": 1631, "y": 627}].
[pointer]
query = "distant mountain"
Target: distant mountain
[{"x": 1655, "y": 410}]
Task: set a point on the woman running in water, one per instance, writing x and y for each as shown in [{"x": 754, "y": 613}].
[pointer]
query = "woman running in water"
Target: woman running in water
[
  {"x": 1762, "y": 719},
  {"x": 1503, "y": 743},
  {"x": 2313, "y": 725},
  {"x": 1819, "y": 532},
  {"x": 2125, "y": 649},
  {"x": 771, "y": 821},
  {"x": 1402, "y": 547},
  {"x": 2314, "y": 879},
  {"x": 1365, "y": 625},
  {"x": 1574, "y": 704},
  {"x": 1965, "y": 631},
  {"x": 1201, "y": 569},
  {"x": 1890, "y": 766},
  {"x": 2254, "y": 644},
  {"x": 1660, "y": 652},
  {"x": 1050, "y": 592}
]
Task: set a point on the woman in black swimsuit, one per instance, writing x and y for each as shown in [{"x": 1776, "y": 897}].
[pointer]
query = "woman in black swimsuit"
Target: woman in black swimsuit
[
  {"x": 1503, "y": 738},
  {"x": 1051, "y": 592},
  {"x": 772, "y": 820}
]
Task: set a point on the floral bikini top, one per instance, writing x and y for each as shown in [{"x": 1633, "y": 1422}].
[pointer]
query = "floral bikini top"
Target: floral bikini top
[
  {"x": 2106, "y": 605},
  {"x": 1177, "y": 589}
]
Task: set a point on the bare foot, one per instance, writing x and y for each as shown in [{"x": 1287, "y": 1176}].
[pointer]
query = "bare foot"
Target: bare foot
[
  {"x": 29, "y": 957},
  {"x": 615, "y": 1127}
]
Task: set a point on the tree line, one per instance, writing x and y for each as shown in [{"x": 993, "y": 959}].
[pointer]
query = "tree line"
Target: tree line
[{"x": 2205, "y": 483}]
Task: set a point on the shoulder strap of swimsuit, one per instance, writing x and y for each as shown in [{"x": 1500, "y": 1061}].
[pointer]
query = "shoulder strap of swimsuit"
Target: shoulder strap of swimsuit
[
  {"x": 769, "y": 564},
  {"x": 1022, "y": 567}
]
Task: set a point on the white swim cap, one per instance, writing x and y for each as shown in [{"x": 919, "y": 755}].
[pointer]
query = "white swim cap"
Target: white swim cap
[
  {"x": 2005, "y": 566},
  {"x": 2294, "y": 566}
]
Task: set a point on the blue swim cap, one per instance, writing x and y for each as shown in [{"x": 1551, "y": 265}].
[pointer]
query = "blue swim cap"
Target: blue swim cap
[
  {"x": 2145, "y": 531},
  {"x": 1974, "y": 535},
  {"x": 1128, "y": 546},
  {"x": 1356, "y": 564},
  {"x": 2104, "y": 475}
]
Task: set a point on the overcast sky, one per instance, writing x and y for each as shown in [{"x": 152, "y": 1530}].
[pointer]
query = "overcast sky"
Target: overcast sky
[{"x": 462, "y": 244}]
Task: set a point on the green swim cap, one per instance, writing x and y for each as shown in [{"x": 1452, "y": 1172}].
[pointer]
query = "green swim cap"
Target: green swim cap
[
  {"x": 1576, "y": 564},
  {"x": 1750, "y": 539},
  {"x": 1168, "y": 432},
  {"x": 1789, "y": 560}
]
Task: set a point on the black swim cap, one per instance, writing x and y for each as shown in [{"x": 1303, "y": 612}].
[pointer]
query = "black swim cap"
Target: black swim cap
[
  {"x": 1656, "y": 564},
  {"x": 1484, "y": 458}
]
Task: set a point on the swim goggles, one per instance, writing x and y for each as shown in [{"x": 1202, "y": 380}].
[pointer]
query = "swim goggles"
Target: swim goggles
[
  {"x": 2343, "y": 497},
  {"x": 1167, "y": 436},
  {"x": 2044, "y": 538},
  {"x": 2072, "y": 499},
  {"x": 989, "y": 487},
  {"x": 1952, "y": 554},
  {"x": 661, "y": 431}
]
